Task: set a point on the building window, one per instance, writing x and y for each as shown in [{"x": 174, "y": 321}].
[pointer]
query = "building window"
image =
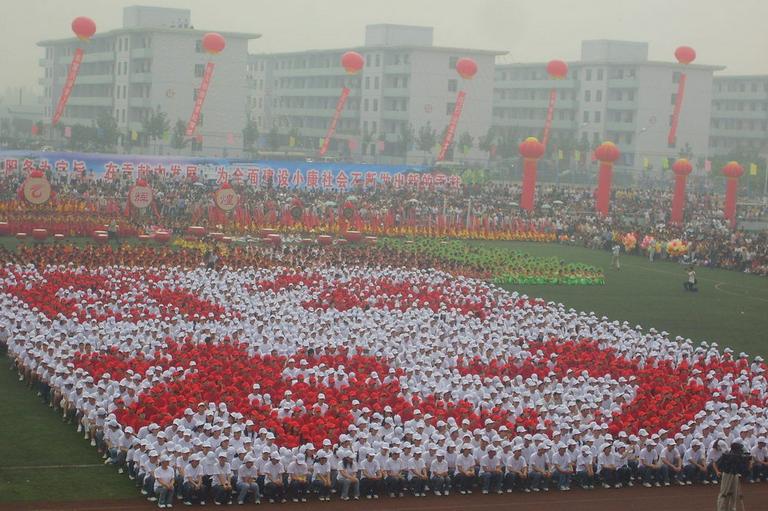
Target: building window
[
  {"x": 194, "y": 94},
  {"x": 597, "y": 116},
  {"x": 585, "y": 116},
  {"x": 378, "y": 60},
  {"x": 589, "y": 75},
  {"x": 375, "y": 82},
  {"x": 676, "y": 77},
  {"x": 367, "y": 82},
  {"x": 452, "y": 62},
  {"x": 375, "y": 105},
  {"x": 198, "y": 46},
  {"x": 452, "y": 85},
  {"x": 449, "y": 107},
  {"x": 599, "y": 75},
  {"x": 630, "y": 95},
  {"x": 587, "y": 96},
  {"x": 673, "y": 98},
  {"x": 199, "y": 70},
  {"x": 365, "y": 104},
  {"x": 598, "y": 95},
  {"x": 368, "y": 60}
]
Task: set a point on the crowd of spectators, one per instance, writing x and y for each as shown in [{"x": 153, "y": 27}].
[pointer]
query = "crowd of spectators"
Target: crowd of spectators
[{"x": 566, "y": 211}]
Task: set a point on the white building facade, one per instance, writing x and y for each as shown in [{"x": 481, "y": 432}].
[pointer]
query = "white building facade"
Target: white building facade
[
  {"x": 155, "y": 62},
  {"x": 405, "y": 85}
]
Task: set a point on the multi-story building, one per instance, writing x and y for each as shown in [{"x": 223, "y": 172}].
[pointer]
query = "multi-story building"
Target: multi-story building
[
  {"x": 739, "y": 115},
  {"x": 154, "y": 62},
  {"x": 612, "y": 93},
  {"x": 407, "y": 84}
]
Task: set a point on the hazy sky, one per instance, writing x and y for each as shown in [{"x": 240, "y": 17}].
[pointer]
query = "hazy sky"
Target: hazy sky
[{"x": 732, "y": 33}]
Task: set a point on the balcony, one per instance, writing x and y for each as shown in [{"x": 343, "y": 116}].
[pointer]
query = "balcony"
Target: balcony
[
  {"x": 621, "y": 105},
  {"x": 622, "y": 83},
  {"x": 101, "y": 56},
  {"x": 395, "y": 115},
  {"x": 535, "y": 84},
  {"x": 534, "y": 124},
  {"x": 398, "y": 69},
  {"x": 141, "y": 78},
  {"x": 325, "y": 92},
  {"x": 139, "y": 103},
  {"x": 561, "y": 104},
  {"x": 141, "y": 53},
  {"x": 94, "y": 79},
  {"x": 620, "y": 126},
  {"x": 756, "y": 134},
  {"x": 90, "y": 101},
  {"x": 399, "y": 92}
]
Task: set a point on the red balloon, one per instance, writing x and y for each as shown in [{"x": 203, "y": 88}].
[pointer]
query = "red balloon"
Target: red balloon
[
  {"x": 531, "y": 148},
  {"x": 607, "y": 152},
  {"x": 467, "y": 68},
  {"x": 685, "y": 54},
  {"x": 141, "y": 182},
  {"x": 83, "y": 27},
  {"x": 352, "y": 62},
  {"x": 732, "y": 169},
  {"x": 682, "y": 167},
  {"x": 557, "y": 69},
  {"x": 213, "y": 43}
]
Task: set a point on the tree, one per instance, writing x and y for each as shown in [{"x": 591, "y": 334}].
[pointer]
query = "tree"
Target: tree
[
  {"x": 486, "y": 142},
  {"x": 107, "y": 131},
  {"x": 155, "y": 125},
  {"x": 405, "y": 138},
  {"x": 427, "y": 138},
  {"x": 179, "y": 138},
  {"x": 466, "y": 142},
  {"x": 250, "y": 135},
  {"x": 273, "y": 139}
]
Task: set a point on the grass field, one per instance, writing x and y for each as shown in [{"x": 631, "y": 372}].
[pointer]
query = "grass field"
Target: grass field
[
  {"x": 730, "y": 308},
  {"x": 41, "y": 458}
]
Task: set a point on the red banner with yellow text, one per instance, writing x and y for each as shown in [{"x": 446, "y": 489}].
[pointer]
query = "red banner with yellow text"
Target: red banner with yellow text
[
  {"x": 201, "y": 93},
  {"x": 74, "y": 68}
]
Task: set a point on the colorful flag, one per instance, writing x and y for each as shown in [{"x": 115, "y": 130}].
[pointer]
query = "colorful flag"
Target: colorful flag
[
  {"x": 646, "y": 163},
  {"x": 753, "y": 169},
  {"x": 560, "y": 155},
  {"x": 577, "y": 155}
]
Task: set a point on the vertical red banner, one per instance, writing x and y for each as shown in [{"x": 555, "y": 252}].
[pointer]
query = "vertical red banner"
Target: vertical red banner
[
  {"x": 74, "y": 68},
  {"x": 451, "y": 131},
  {"x": 672, "y": 136},
  {"x": 334, "y": 121},
  {"x": 729, "y": 208},
  {"x": 201, "y": 93},
  {"x": 550, "y": 115}
]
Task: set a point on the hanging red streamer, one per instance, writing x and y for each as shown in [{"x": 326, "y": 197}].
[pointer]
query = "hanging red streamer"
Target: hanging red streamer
[
  {"x": 201, "y": 93},
  {"x": 550, "y": 115},
  {"x": 672, "y": 136},
  {"x": 334, "y": 121},
  {"x": 451, "y": 131},
  {"x": 74, "y": 68}
]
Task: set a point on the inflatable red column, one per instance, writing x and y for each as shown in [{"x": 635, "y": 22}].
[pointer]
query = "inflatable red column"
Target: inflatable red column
[
  {"x": 685, "y": 55},
  {"x": 531, "y": 150},
  {"x": 681, "y": 168},
  {"x": 352, "y": 62},
  {"x": 606, "y": 153},
  {"x": 732, "y": 171}
]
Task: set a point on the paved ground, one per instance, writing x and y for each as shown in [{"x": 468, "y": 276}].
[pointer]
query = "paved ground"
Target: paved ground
[{"x": 627, "y": 499}]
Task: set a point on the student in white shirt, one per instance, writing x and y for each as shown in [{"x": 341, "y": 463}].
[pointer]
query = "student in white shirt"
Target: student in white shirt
[
  {"x": 539, "y": 468},
  {"x": 491, "y": 473},
  {"x": 607, "y": 466},
  {"x": 247, "y": 475},
  {"x": 321, "y": 476},
  {"x": 759, "y": 461},
  {"x": 193, "y": 487},
  {"x": 164, "y": 478},
  {"x": 563, "y": 468},
  {"x": 221, "y": 485},
  {"x": 465, "y": 469},
  {"x": 417, "y": 473},
  {"x": 298, "y": 475},
  {"x": 714, "y": 454},
  {"x": 672, "y": 464},
  {"x": 273, "y": 479},
  {"x": 694, "y": 463},
  {"x": 347, "y": 475},
  {"x": 395, "y": 470},
  {"x": 650, "y": 466},
  {"x": 516, "y": 471},
  {"x": 585, "y": 472},
  {"x": 371, "y": 475},
  {"x": 440, "y": 480}
]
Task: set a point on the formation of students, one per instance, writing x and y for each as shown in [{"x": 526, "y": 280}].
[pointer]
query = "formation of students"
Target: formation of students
[{"x": 402, "y": 441}]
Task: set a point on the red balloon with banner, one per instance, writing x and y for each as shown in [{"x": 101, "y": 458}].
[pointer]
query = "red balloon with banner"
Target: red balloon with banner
[
  {"x": 226, "y": 198},
  {"x": 606, "y": 153},
  {"x": 352, "y": 62},
  {"x": 732, "y": 172},
  {"x": 36, "y": 189},
  {"x": 682, "y": 168},
  {"x": 213, "y": 44},
  {"x": 531, "y": 150},
  {"x": 684, "y": 55},
  {"x": 84, "y": 28},
  {"x": 467, "y": 69},
  {"x": 557, "y": 70}
]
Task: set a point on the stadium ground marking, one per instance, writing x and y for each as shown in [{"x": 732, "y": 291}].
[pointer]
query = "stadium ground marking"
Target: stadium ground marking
[
  {"x": 717, "y": 282},
  {"x": 741, "y": 295}
]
